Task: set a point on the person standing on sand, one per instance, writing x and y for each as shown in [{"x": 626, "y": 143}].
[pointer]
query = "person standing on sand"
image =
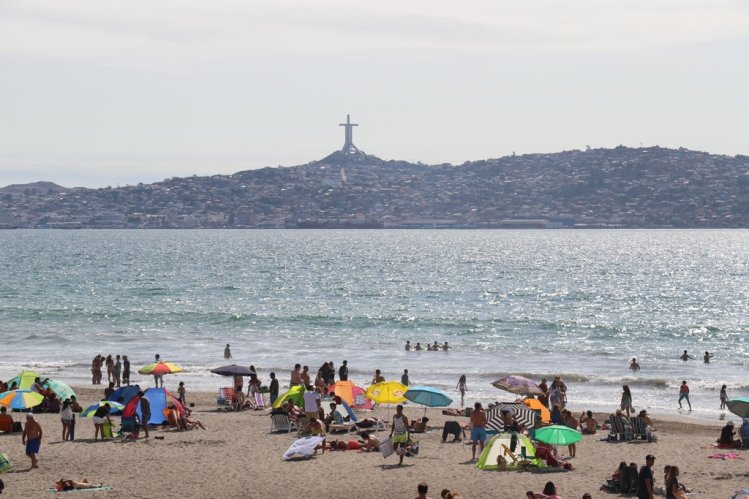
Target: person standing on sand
[
  {"x": 227, "y": 352},
  {"x": 684, "y": 394},
  {"x": 478, "y": 429},
  {"x": 645, "y": 479},
  {"x": 158, "y": 377},
  {"x": 544, "y": 399},
  {"x": 117, "y": 371},
  {"x": 76, "y": 408},
  {"x": 273, "y": 389},
  {"x": 296, "y": 376},
  {"x": 126, "y": 370},
  {"x": 32, "y": 438},
  {"x": 145, "y": 411},
  {"x": 723, "y": 397},
  {"x": 400, "y": 431}
]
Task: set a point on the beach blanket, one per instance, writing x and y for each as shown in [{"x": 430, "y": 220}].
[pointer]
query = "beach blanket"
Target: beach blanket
[
  {"x": 732, "y": 456},
  {"x": 95, "y": 489},
  {"x": 303, "y": 448}
]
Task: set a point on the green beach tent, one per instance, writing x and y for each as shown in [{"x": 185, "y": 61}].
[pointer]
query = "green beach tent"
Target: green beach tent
[
  {"x": 295, "y": 393},
  {"x": 502, "y": 445}
]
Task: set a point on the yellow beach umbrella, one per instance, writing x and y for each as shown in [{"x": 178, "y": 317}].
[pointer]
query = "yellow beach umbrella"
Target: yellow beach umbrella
[
  {"x": 20, "y": 399},
  {"x": 387, "y": 392}
]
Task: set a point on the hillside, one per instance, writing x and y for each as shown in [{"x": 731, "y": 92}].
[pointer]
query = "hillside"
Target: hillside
[{"x": 621, "y": 187}]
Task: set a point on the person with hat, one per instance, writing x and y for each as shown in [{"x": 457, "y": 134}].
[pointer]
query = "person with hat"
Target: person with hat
[
  {"x": 645, "y": 479},
  {"x": 726, "y": 436},
  {"x": 32, "y": 438}
]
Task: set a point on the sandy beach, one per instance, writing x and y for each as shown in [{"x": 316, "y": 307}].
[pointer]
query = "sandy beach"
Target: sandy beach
[{"x": 237, "y": 457}]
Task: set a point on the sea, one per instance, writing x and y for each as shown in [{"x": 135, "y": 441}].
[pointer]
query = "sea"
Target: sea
[{"x": 575, "y": 303}]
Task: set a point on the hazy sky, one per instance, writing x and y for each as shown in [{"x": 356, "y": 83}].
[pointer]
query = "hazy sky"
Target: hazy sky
[{"x": 116, "y": 92}]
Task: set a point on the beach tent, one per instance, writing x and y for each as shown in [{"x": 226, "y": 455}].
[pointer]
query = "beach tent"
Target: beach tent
[
  {"x": 523, "y": 415},
  {"x": 159, "y": 398},
  {"x": 503, "y": 445},
  {"x": 126, "y": 393},
  {"x": 295, "y": 393},
  {"x": 351, "y": 394}
]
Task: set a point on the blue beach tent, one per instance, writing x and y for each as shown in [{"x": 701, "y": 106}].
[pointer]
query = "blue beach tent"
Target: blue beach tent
[
  {"x": 125, "y": 393},
  {"x": 159, "y": 398}
]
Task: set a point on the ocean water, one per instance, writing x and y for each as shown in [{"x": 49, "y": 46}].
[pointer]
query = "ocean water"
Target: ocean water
[{"x": 539, "y": 303}]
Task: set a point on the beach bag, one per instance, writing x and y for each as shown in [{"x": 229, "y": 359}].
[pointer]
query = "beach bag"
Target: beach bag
[
  {"x": 386, "y": 448},
  {"x": 4, "y": 463}
]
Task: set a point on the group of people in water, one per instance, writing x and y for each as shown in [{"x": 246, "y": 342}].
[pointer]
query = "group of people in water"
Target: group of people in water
[{"x": 435, "y": 347}]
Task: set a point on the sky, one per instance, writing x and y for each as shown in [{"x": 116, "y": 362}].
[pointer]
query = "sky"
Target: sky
[{"x": 109, "y": 93}]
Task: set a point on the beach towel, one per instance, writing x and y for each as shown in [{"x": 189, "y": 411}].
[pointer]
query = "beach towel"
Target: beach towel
[
  {"x": 725, "y": 457},
  {"x": 95, "y": 489}
]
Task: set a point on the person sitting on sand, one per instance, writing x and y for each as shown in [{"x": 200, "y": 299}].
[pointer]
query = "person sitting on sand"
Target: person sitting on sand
[
  {"x": 64, "y": 485},
  {"x": 185, "y": 423},
  {"x": 549, "y": 492},
  {"x": 588, "y": 423},
  {"x": 419, "y": 426},
  {"x": 726, "y": 436},
  {"x": 6, "y": 420},
  {"x": 369, "y": 442},
  {"x": 333, "y": 417}
]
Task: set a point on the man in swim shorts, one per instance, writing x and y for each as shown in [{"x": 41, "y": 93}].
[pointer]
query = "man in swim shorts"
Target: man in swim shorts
[
  {"x": 32, "y": 438},
  {"x": 400, "y": 431},
  {"x": 478, "y": 428}
]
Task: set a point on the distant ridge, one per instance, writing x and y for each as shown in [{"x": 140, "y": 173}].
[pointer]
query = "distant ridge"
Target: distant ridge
[{"x": 619, "y": 187}]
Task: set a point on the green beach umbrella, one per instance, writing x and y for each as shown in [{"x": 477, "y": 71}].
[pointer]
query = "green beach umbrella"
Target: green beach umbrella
[
  {"x": 60, "y": 389},
  {"x": 558, "y": 435},
  {"x": 295, "y": 393},
  {"x": 24, "y": 380},
  {"x": 739, "y": 406}
]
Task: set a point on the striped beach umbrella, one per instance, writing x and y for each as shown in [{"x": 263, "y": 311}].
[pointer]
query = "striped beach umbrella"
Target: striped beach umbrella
[
  {"x": 90, "y": 410},
  {"x": 520, "y": 412},
  {"x": 21, "y": 399}
]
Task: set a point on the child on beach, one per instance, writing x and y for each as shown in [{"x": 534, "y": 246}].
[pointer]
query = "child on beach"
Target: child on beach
[
  {"x": 723, "y": 397},
  {"x": 181, "y": 393},
  {"x": 463, "y": 388}
]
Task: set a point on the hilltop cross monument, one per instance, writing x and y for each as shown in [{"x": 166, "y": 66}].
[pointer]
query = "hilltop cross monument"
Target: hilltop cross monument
[{"x": 349, "y": 149}]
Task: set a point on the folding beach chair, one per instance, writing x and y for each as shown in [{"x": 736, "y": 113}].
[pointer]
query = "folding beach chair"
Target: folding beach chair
[
  {"x": 227, "y": 398},
  {"x": 619, "y": 430},
  {"x": 640, "y": 430},
  {"x": 282, "y": 422}
]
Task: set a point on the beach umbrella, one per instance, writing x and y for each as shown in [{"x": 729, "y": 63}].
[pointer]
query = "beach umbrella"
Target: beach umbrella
[
  {"x": 295, "y": 393},
  {"x": 24, "y": 380},
  {"x": 739, "y": 406},
  {"x": 520, "y": 412},
  {"x": 387, "y": 392},
  {"x": 90, "y": 410},
  {"x": 558, "y": 435},
  {"x": 519, "y": 385},
  {"x": 160, "y": 368},
  {"x": 21, "y": 399},
  {"x": 60, "y": 389},
  {"x": 233, "y": 370},
  {"x": 427, "y": 396},
  {"x": 536, "y": 405}
]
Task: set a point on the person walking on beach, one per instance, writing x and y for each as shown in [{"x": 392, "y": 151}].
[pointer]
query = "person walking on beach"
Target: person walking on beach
[
  {"x": 707, "y": 357},
  {"x": 273, "y": 389},
  {"x": 463, "y": 388},
  {"x": 626, "y": 401},
  {"x": 32, "y": 439},
  {"x": 404, "y": 378},
  {"x": 126, "y": 370},
  {"x": 685, "y": 356},
  {"x": 684, "y": 394},
  {"x": 478, "y": 429},
  {"x": 227, "y": 352},
  {"x": 645, "y": 479},
  {"x": 399, "y": 431}
]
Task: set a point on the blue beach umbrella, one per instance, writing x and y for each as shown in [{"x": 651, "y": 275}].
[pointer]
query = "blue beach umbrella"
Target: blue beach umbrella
[
  {"x": 20, "y": 399},
  {"x": 428, "y": 396}
]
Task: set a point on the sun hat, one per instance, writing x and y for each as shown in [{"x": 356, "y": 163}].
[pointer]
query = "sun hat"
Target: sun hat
[{"x": 649, "y": 457}]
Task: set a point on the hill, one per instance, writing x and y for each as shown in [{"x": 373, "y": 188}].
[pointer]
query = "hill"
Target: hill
[{"x": 620, "y": 187}]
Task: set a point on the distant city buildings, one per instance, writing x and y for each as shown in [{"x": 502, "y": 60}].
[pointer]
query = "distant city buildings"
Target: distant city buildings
[{"x": 621, "y": 187}]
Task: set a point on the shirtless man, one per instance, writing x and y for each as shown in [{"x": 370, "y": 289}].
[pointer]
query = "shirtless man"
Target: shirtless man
[
  {"x": 588, "y": 423},
  {"x": 296, "y": 376},
  {"x": 478, "y": 428},
  {"x": 32, "y": 438},
  {"x": 707, "y": 357},
  {"x": 634, "y": 365},
  {"x": 685, "y": 356}
]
